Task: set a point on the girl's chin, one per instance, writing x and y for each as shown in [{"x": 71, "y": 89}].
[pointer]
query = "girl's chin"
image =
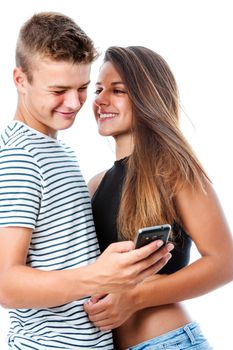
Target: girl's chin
[{"x": 105, "y": 133}]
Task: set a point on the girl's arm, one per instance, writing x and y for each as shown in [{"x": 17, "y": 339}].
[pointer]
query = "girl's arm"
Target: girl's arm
[{"x": 203, "y": 219}]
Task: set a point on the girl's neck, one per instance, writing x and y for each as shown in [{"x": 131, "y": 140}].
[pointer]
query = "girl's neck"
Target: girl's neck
[{"x": 124, "y": 146}]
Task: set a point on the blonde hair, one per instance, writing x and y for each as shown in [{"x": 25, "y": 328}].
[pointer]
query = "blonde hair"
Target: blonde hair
[{"x": 54, "y": 36}]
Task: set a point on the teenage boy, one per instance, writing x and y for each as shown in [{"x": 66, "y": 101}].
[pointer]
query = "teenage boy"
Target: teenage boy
[{"x": 48, "y": 245}]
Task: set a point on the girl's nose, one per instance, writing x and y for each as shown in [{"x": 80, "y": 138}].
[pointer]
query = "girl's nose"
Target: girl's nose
[{"x": 102, "y": 99}]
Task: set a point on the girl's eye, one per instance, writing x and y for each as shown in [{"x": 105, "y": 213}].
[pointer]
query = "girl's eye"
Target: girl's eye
[
  {"x": 98, "y": 91},
  {"x": 117, "y": 91}
]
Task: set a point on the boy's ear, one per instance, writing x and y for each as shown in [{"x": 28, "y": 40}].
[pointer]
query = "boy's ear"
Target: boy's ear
[{"x": 20, "y": 79}]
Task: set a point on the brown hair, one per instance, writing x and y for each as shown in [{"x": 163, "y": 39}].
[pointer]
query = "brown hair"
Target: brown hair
[
  {"x": 162, "y": 161},
  {"x": 54, "y": 36}
]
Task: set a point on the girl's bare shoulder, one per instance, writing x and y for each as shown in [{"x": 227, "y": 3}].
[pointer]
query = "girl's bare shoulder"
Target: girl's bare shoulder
[{"x": 94, "y": 182}]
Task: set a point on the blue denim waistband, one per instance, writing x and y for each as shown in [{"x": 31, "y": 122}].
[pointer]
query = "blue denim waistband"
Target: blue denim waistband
[{"x": 190, "y": 330}]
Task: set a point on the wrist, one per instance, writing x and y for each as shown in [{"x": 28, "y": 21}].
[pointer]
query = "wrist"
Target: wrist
[
  {"x": 79, "y": 282},
  {"x": 136, "y": 297},
  {"x": 87, "y": 280},
  {"x": 142, "y": 293}
]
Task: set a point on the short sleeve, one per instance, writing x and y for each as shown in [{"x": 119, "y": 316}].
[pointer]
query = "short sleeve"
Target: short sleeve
[{"x": 20, "y": 188}]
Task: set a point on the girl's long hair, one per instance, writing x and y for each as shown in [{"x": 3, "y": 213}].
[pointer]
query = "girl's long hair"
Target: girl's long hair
[{"x": 162, "y": 162}]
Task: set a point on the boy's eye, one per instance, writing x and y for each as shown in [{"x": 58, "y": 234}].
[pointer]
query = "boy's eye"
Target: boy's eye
[
  {"x": 82, "y": 88},
  {"x": 58, "y": 92}
]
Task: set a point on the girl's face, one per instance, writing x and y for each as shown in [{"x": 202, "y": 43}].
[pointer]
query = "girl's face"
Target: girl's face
[{"x": 112, "y": 106}]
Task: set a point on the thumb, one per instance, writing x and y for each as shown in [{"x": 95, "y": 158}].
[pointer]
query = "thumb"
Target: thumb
[{"x": 95, "y": 298}]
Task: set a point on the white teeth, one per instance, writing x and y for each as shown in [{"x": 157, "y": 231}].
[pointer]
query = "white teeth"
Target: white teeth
[{"x": 107, "y": 115}]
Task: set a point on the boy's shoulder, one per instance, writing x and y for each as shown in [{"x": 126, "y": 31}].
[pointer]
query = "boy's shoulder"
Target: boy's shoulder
[
  {"x": 14, "y": 135},
  {"x": 19, "y": 135},
  {"x": 18, "y": 140}
]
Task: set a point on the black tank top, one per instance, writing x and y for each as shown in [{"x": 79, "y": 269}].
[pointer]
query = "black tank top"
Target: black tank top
[{"x": 105, "y": 204}]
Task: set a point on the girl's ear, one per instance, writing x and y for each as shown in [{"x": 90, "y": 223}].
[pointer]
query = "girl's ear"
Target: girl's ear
[{"x": 20, "y": 79}]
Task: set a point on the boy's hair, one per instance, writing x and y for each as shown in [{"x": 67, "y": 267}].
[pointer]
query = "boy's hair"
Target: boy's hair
[{"x": 54, "y": 36}]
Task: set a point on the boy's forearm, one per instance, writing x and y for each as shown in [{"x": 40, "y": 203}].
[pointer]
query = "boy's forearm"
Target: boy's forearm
[
  {"x": 24, "y": 287},
  {"x": 119, "y": 268}
]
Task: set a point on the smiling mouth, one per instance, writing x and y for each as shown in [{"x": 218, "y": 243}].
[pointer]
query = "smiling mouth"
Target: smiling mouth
[
  {"x": 107, "y": 115},
  {"x": 67, "y": 114}
]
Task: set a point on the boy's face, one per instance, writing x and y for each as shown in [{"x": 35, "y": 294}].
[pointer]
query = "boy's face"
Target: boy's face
[{"x": 57, "y": 92}]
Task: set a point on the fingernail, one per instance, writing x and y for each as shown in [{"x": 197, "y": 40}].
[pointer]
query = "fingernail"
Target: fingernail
[
  {"x": 170, "y": 246},
  {"x": 168, "y": 256},
  {"x": 159, "y": 243}
]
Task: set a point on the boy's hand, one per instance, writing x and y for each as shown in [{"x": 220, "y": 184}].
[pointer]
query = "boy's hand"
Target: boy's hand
[{"x": 121, "y": 266}]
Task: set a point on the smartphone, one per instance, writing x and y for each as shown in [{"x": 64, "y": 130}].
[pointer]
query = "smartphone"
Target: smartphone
[{"x": 149, "y": 234}]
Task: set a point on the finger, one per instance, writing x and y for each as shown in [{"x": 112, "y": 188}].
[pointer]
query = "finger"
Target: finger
[
  {"x": 162, "y": 262},
  {"x": 105, "y": 325},
  {"x": 145, "y": 252},
  {"x": 153, "y": 269},
  {"x": 154, "y": 258},
  {"x": 96, "y": 298},
  {"x": 109, "y": 327},
  {"x": 169, "y": 247},
  {"x": 96, "y": 308},
  {"x": 100, "y": 317},
  {"x": 89, "y": 309}
]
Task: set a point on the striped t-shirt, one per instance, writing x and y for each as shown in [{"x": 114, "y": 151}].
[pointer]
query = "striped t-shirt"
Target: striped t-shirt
[{"x": 42, "y": 188}]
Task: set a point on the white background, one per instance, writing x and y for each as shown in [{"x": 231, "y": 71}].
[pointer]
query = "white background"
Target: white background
[{"x": 195, "y": 37}]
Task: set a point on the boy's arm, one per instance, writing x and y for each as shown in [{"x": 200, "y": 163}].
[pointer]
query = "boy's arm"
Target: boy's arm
[{"x": 120, "y": 267}]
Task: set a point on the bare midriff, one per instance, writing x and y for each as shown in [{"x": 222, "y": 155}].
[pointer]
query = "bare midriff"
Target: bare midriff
[{"x": 149, "y": 323}]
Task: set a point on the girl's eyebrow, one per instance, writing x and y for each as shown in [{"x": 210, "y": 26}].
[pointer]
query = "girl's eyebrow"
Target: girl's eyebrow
[{"x": 113, "y": 83}]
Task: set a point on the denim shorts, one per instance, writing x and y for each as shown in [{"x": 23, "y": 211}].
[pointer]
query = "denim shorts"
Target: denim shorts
[{"x": 188, "y": 337}]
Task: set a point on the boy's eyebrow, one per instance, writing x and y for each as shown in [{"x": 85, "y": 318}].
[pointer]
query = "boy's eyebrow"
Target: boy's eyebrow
[{"x": 66, "y": 87}]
